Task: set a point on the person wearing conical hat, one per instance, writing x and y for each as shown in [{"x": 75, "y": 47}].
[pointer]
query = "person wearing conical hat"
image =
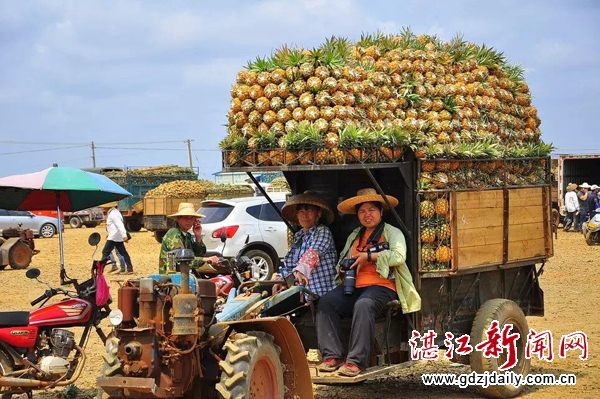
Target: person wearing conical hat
[
  {"x": 179, "y": 237},
  {"x": 312, "y": 256},
  {"x": 571, "y": 206},
  {"x": 379, "y": 254}
]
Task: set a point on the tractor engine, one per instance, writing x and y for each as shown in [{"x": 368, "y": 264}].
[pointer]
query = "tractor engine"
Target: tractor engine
[{"x": 159, "y": 344}]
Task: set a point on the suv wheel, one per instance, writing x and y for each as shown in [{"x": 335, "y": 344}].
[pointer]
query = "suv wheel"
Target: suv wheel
[{"x": 261, "y": 262}]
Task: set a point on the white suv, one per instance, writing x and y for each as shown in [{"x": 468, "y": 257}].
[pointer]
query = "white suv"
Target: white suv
[{"x": 253, "y": 229}]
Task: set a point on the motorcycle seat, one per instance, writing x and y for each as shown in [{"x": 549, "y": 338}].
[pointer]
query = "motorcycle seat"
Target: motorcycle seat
[{"x": 14, "y": 319}]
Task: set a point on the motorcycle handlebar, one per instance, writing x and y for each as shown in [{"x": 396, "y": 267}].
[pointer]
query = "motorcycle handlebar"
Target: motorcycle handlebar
[{"x": 40, "y": 298}]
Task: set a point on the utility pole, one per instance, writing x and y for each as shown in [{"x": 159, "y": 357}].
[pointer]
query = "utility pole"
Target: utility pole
[
  {"x": 189, "y": 146},
  {"x": 93, "y": 155}
]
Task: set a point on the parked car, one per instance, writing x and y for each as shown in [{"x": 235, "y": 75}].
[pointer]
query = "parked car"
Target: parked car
[
  {"x": 253, "y": 229},
  {"x": 42, "y": 226}
]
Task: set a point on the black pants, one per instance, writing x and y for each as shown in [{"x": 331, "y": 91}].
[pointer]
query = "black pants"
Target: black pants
[
  {"x": 120, "y": 246},
  {"x": 364, "y": 306}
]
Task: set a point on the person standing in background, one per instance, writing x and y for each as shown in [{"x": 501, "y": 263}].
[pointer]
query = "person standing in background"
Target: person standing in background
[
  {"x": 117, "y": 237},
  {"x": 582, "y": 196},
  {"x": 572, "y": 206}
]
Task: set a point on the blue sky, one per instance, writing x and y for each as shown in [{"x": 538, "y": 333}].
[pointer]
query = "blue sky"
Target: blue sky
[{"x": 143, "y": 71}]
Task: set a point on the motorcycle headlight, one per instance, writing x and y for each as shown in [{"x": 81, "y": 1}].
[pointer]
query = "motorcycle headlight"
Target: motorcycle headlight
[{"x": 115, "y": 317}]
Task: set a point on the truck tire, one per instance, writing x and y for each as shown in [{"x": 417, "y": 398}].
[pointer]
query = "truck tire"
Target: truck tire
[
  {"x": 134, "y": 225},
  {"x": 75, "y": 222},
  {"x": 19, "y": 255},
  {"x": 252, "y": 368},
  {"x": 263, "y": 262},
  {"x": 91, "y": 225},
  {"x": 158, "y": 235},
  {"x": 505, "y": 312}
]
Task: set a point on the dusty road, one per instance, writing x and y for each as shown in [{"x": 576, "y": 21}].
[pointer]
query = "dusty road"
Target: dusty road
[{"x": 570, "y": 285}]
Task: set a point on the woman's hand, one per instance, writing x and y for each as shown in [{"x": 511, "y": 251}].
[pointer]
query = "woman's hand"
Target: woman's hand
[
  {"x": 301, "y": 278},
  {"x": 361, "y": 259}
]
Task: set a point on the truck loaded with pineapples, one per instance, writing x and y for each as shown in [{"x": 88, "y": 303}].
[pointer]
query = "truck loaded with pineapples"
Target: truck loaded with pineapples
[{"x": 448, "y": 128}]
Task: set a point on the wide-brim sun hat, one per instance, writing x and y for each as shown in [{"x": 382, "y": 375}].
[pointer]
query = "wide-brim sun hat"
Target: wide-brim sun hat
[
  {"x": 186, "y": 209},
  {"x": 585, "y": 185},
  {"x": 290, "y": 209},
  {"x": 594, "y": 187},
  {"x": 365, "y": 195},
  {"x": 571, "y": 187}
]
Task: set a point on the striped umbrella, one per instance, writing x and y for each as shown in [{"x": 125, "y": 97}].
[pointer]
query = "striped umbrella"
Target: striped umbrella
[{"x": 66, "y": 189}]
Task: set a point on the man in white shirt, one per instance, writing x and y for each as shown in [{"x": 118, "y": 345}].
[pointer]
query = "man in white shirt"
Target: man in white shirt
[
  {"x": 117, "y": 236},
  {"x": 571, "y": 205}
]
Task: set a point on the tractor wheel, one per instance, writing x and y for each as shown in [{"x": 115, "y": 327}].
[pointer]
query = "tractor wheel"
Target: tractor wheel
[
  {"x": 158, "y": 235},
  {"x": 19, "y": 256},
  {"x": 505, "y": 312},
  {"x": 75, "y": 222},
  {"x": 252, "y": 368}
]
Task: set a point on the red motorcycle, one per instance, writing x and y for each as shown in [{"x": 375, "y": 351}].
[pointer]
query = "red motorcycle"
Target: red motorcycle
[{"x": 38, "y": 349}]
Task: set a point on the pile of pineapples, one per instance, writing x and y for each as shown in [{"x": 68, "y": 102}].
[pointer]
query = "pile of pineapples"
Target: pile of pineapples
[
  {"x": 368, "y": 101},
  {"x": 483, "y": 165},
  {"x": 435, "y": 232}
]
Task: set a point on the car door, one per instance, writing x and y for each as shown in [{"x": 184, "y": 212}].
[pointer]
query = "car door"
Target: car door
[
  {"x": 4, "y": 220},
  {"x": 272, "y": 228},
  {"x": 19, "y": 219}
]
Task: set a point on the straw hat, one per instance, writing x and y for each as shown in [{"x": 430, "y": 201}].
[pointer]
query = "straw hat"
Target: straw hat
[
  {"x": 186, "y": 209},
  {"x": 289, "y": 210},
  {"x": 365, "y": 195},
  {"x": 571, "y": 187},
  {"x": 585, "y": 185}
]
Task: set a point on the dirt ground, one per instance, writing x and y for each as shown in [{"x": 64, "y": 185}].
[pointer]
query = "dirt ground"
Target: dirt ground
[{"x": 572, "y": 302}]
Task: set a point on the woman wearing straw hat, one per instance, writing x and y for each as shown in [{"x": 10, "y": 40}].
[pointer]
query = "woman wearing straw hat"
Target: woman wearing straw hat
[
  {"x": 571, "y": 205},
  {"x": 379, "y": 253},
  {"x": 179, "y": 237},
  {"x": 312, "y": 256},
  {"x": 584, "y": 210}
]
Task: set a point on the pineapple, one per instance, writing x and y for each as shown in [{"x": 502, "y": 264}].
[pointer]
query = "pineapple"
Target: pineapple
[
  {"x": 313, "y": 143},
  {"x": 443, "y": 231},
  {"x": 428, "y": 234},
  {"x": 428, "y": 255},
  {"x": 427, "y": 209},
  {"x": 443, "y": 254},
  {"x": 293, "y": 144},
  {"x": 349, "y": 141},
  {"x": 440, "y": 181},
  {"x": 441, "y": 207},
  {"x": 392, "y": 143}
]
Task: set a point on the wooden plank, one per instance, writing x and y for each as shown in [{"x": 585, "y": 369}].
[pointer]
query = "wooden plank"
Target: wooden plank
[
  {"x": 479, "y": 255},
  {"x": 524, "y": 232},
  {"x": 479, "y": 218},
  {"x": 531, "y": 192},
  {"x": 525, "y": 214},
  {"x": 477, "y": 237},
  {"x": 526, "y": 249},
  {"x": 478, "y": 199},
  {"x": 529, "y": 201}
]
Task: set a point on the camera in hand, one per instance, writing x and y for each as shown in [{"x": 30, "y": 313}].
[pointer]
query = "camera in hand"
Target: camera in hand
[{"x": 349, "y": 275}]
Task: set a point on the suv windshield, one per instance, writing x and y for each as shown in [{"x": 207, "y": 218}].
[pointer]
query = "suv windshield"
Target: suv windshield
[{"x": 215, "y": 212}]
